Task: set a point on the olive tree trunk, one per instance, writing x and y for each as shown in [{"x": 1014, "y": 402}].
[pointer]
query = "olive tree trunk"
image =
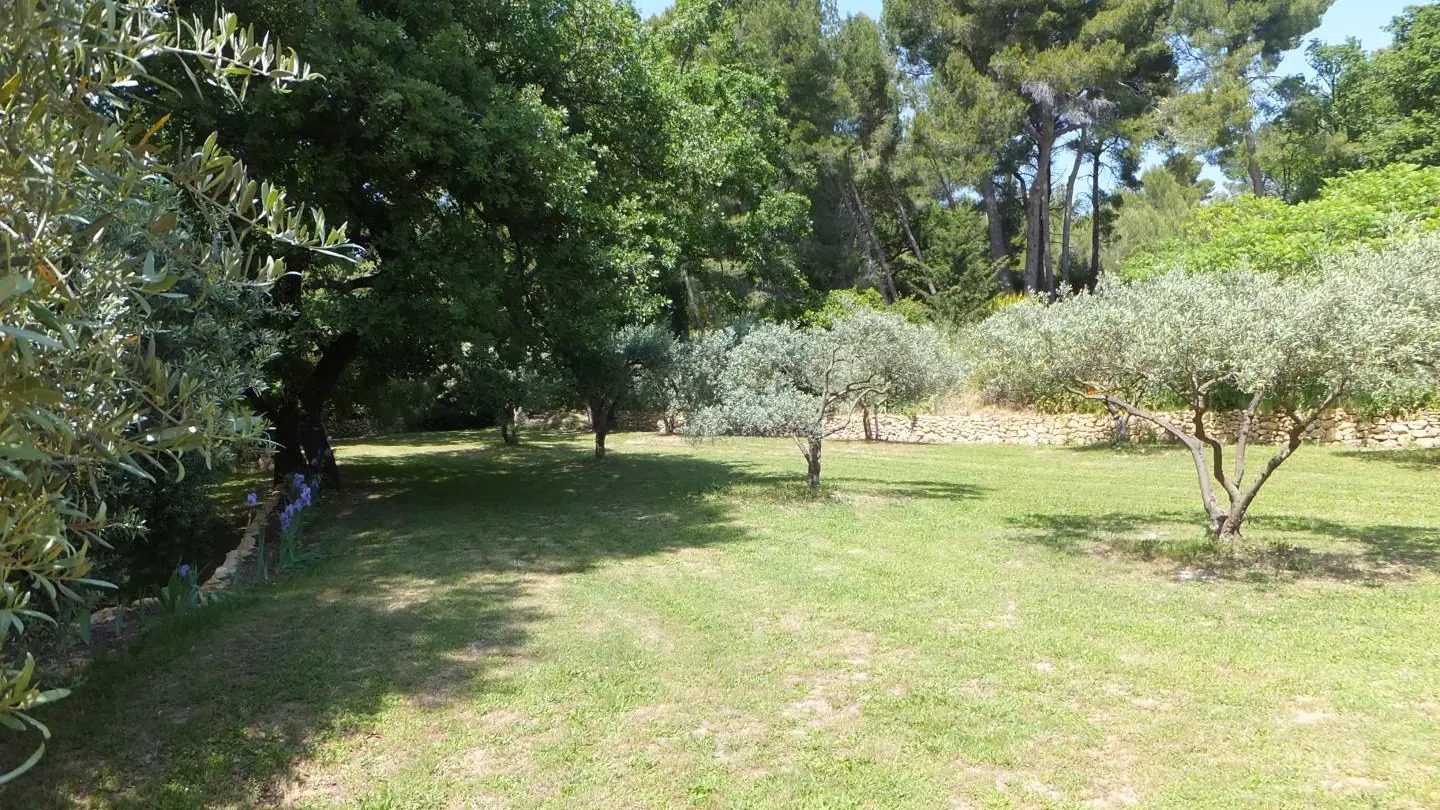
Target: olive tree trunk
[
  {"x": 601, "y": 413},
  {"x": 510, "y": 424},
  {"x": 812, "y": 461},
  {"x": 1226, "y": 519}
]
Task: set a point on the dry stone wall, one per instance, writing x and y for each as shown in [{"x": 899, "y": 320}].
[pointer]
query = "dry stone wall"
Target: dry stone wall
[{"x": 996, "y": 426}]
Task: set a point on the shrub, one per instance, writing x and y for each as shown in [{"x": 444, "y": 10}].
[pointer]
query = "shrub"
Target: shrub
[{"x": 1367, "y": 208}]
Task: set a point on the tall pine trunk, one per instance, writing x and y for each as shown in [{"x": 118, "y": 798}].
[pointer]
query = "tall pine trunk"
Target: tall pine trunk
[
  {"x": 999, "y": 252},
  {"x": 1080, "y": 143},
  {"x": 887, "y": 280},
  {"x": 1037, "y": 231},
  {"x": 1252, "y": 163},
  {"x": 1098, "y": 153}
]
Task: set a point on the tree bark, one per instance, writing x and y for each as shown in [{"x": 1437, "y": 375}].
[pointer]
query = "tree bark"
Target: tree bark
[
  {"x": 1121, "y": 418},
  {"x": 887, "y": 285},
  {"x": 905, "y": 222},
  {"x": 509, "y": 424},
  {"x": 1080, "y": 143},
  {"x": 600, "y": 413},
  {"x": 298, "y": 419},
  {"x": 1098, "y": 154},
  {"x": 1257, "y": 180},
  {"x": 812, "y": 459},
  {"x": 1037, "y": 232},
  {"x": 999, "y": 253}
]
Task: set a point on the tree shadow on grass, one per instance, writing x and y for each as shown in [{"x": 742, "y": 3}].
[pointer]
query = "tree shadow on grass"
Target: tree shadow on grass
[
  {"x": 1280, "y": 547},
  {"x": 439, "y": 567},
  {"x": 1423, "y": 459}
]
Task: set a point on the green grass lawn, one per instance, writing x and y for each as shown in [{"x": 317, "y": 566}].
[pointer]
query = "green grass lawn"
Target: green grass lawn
[{"x": 680, "y": 626}]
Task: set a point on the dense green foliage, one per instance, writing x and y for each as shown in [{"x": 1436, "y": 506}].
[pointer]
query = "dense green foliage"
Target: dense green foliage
[
  {"x": 755, "y": 216},
  {"x": 1361, "y": 209},
  {"x": 1357, "y": 110},
  {"x": 110, "y": 245}
]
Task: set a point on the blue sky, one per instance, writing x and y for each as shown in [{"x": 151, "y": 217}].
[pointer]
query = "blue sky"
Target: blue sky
[{"x": 1364, "y": 19}]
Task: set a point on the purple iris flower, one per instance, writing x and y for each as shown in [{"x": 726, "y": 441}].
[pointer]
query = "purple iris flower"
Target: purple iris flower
[
  {"x": 184, "y": 571},
  {"x": 299, "y": 480},
  {"x": 252, "y": 500}
]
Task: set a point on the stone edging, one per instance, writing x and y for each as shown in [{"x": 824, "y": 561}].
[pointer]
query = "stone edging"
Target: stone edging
[
  {"x": 223, "y": 576},
  {"x": 221, "y": 579}
]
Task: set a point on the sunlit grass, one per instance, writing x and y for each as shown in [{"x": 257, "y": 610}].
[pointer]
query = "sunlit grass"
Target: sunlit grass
[{"x": 684, "y": 626}]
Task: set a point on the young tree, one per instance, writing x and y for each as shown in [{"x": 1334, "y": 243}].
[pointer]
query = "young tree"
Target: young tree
[
  {"x": 685, "y": 382},
  {"x": 807, "y": 384},
  {"x": 1288, "y": 345},
  {"x": 483, "y": 384},
  {"x": 98, "y": 228}
]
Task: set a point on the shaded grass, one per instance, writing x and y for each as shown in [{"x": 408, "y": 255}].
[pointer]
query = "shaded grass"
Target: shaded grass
[{"x": 684, "y": 625}]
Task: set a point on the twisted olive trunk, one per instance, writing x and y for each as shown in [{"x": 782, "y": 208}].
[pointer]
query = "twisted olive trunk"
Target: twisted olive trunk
[
  {"x": 602, "y": 414},
  {"x": 509, "y": 424},
  {"x": 812, "y": 459},
  {"x": 298, "y": 420}
]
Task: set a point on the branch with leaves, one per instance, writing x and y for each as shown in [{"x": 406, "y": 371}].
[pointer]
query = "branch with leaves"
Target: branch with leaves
[{"x": 100, "y": 229}]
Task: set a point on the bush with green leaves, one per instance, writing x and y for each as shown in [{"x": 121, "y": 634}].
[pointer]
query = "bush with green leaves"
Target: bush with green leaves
[
  {"x": 1288, "y": 345},
  {"x": 808, "y": 383},
  {"x": 1367, "y": 208},
  {"x": 99, "y": 227}
]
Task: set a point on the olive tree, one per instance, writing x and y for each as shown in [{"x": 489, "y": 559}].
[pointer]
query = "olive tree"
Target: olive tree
[
  {"x": 686, "y": 382},
  {"x": 608, "y": 375},
  {"x": 99, "y": 224},
  {"x": 808, "y": 383},
  {"x": 1292, "y": 346}
]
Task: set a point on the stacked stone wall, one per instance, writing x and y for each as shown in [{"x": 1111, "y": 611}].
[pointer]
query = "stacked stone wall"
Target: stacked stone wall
[{"x": 997, "y": 426}]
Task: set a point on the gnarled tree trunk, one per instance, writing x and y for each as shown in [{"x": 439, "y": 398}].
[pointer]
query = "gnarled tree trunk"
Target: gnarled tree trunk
[
  {"x": 298, "y": 419},
  {"x": 510, "y": 424},
  {"x": 1225, "y": 522},
  {"x": 812, "y": 463},
  {"x": 602, "y": 415}
]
